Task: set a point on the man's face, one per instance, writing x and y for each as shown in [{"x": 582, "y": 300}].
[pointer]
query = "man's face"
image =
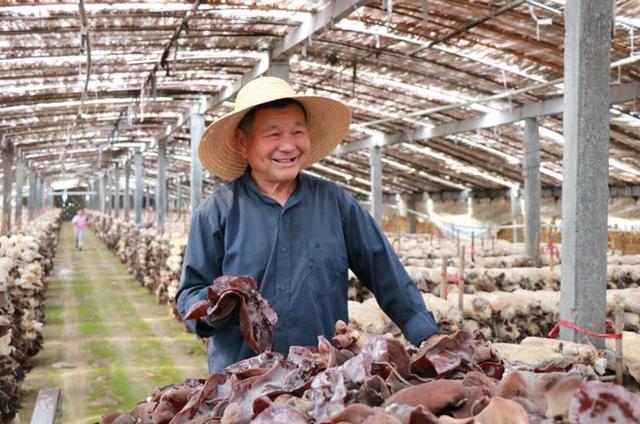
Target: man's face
[{"x": 276, "y": 144}]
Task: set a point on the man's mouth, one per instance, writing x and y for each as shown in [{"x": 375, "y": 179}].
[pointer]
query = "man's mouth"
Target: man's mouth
[{"x": 286, "y": 160}]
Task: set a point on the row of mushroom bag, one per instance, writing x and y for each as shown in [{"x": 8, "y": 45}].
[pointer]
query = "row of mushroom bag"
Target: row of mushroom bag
[
  {"x": 510, "y": 279},
  {"x": 512, "y": 318},
  {"x": 154, "y": 259},
  {"x": 26, "y": 258}
]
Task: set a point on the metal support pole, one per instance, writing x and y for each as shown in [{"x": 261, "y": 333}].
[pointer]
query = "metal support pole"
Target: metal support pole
[
  {"x": 112, "y": 192},
  {"x": 137, "y": 160},
  {"x": 31, "y": 202},
  {"x": 280, "y": 68},
  {"x": 46, "y": 191},
  {"x": 161, "y": 185},
  {"x": 411, "y": 218},
  {"x": 19, "y": 189},
  {"x": 116, "y": 192},
  {"x": 585, "y": 190},
  {"x": 102, "y": 192},
  {"x": 197, "y": 129},
  {"x": 179, "y": 205},
  {"x": 515, "y": 212},
  {"x": 7, "y": 181},
  {"x": 127, "y": 190},
  {"x": 96, "y": 199},
  {"x": 532, "y": 188},
  {"x": 91, "y": 204},
  {"x": 375, "y": 154},
  {"x": 39, "y": 192}
]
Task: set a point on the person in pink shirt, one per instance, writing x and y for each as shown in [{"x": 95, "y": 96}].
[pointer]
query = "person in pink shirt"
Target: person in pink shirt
[{"x": 79, "y": 222}]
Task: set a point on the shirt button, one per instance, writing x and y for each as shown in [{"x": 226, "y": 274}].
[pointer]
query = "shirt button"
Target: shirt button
[{"x": 283, "y": 250}]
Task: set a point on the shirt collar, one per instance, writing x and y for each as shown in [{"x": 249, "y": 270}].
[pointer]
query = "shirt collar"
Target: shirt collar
[{"x": 294, "y": 199}]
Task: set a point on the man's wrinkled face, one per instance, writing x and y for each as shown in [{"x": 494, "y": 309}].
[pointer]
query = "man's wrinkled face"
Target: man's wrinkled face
[{"x": 276, "y": 144}]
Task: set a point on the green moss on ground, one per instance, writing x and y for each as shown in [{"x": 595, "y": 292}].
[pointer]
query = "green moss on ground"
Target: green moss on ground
[{"x": 128, "y": 344}]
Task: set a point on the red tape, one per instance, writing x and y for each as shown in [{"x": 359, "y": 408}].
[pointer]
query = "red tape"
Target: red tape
[
  {"x": 572, "y": 326},
  {"x": 454, "y": 278}
]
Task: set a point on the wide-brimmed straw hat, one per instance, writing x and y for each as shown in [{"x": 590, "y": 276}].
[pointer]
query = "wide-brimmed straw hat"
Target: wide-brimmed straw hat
[{"x": 328, "y": 121}]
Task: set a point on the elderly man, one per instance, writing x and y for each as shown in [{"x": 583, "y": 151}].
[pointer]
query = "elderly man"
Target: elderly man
[{"x": 295, "y": 234}]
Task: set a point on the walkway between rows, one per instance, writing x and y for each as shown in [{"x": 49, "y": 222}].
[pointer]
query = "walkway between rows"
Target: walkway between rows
[{"x": 108, "y": 343}]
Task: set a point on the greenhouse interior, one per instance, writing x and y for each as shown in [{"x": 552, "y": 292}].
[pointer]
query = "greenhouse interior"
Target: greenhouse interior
[{"x": 320, "y": 211}]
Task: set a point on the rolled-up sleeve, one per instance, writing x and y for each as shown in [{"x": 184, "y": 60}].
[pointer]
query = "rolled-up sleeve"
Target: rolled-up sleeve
[
  {"x": 202, "y": 264},
  {"x": 377, "y": 266}
]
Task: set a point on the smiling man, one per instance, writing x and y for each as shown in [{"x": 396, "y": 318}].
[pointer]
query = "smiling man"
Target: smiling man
[{"x": 295, "y": 234}]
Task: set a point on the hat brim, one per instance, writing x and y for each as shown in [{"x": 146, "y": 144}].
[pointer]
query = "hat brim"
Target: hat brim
[{"x": 328, "y": 122}]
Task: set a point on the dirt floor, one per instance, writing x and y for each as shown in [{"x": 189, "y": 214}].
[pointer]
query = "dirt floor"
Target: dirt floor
[{"x": 107, "y": 343}]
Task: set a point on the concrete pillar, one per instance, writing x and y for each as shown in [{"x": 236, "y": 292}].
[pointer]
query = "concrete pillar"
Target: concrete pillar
[
  {"x": 31, "y": 202},
  {"x": 19, "y": 189},
  {"x": 375, "y": 154},
  {"x": 197, "y": 128},
  {"x": 585, "y": 190},
  {"x": 116, "y": 191},
  {"x": 7, "y": 182},
  {"x": 532, "y": 188},
  {"x": 161, "y": 185},
  {"x": 127, "y": 191},
  {"x": 280, "y": 68},
  {"x": 137, "y": 161}
]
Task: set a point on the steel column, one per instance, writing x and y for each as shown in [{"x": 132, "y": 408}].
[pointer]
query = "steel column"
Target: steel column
[
  {"x": 161, "y": 186},
  {"x": 127, "y": 190},
  {"x": 19, "y": 191},
  {"x": 137, "y": 160},
  {"x": 375, "y": 154},
  {"x": 197, "y": 129},
  {"x": 31, "y": 202},
  {"x": 7, "y": 182}
]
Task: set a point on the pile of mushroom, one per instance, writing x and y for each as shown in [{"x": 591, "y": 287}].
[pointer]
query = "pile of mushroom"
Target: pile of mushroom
[
  {"x": 26, "y": 257},
  {"x": 359, "y": 378}
]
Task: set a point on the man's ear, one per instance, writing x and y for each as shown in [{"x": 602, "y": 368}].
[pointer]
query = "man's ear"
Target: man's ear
[{"x": 241, "y": 141}]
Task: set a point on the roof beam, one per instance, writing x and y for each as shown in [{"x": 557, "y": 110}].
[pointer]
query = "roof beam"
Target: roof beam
[
  {"x": 619, "y": 94},
  {"x": 334, "y": 11}
]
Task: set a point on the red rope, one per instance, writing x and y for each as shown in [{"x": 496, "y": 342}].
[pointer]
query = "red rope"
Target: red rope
[{"x": 568, "y": 324}]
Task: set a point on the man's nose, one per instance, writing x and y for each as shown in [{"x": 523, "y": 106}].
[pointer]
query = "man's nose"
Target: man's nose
[{"x": 287, "y": 144}]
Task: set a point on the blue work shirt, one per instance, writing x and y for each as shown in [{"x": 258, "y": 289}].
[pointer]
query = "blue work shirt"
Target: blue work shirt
[{"x": 299, "y": 254}]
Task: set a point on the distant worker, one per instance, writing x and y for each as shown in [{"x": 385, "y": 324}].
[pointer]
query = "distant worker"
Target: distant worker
[
  {"x": 79, "y": 222},
  {"x": 295, "y": 234}
]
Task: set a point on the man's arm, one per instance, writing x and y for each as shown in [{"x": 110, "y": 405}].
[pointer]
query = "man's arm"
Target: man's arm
[
  {"x": 375, "y": 263},
  {"x": 201, "y": 265}
]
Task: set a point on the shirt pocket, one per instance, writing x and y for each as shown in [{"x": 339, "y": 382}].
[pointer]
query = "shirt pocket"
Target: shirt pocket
[{"x": 326, "y": 267}]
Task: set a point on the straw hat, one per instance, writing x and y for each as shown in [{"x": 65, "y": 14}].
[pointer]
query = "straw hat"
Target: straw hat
[{"x": 327, "y": 122}]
